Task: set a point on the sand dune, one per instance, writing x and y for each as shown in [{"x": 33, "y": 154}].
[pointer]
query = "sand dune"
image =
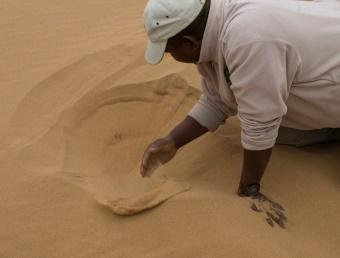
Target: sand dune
[{"x": 79, "y": 107}]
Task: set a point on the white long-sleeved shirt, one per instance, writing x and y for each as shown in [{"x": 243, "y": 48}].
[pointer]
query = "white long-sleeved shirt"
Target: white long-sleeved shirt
[{"x": 271, "y": 63}]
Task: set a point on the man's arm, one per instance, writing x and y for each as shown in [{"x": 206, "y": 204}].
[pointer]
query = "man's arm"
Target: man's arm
[
  {"x": 261, "y": 74},
  {"x": 254, "y": 162},
  {"x": 185, "y": 132},
  {"x": 254, "y": 165},
  {"x": 206, "y": 115}
]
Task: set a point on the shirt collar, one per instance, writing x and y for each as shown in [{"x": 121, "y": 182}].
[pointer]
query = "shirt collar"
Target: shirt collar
[{"x": 211, "y": 33}]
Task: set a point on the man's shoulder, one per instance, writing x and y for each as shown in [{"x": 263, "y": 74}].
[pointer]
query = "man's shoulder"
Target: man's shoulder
[{"x": 249, "y": 20}]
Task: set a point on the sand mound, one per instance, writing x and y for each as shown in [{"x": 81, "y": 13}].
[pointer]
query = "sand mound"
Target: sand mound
[
  {"x": 97, "y": 142},
  {"x": 104, "y": 141},
  {"x": 133, "y": 194}
]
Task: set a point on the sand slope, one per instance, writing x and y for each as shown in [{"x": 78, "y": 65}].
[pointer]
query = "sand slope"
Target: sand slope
[{"x": 79, "y": 107}]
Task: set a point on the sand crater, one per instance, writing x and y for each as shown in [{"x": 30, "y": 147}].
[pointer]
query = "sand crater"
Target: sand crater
[{"x": 107, "y": 133}]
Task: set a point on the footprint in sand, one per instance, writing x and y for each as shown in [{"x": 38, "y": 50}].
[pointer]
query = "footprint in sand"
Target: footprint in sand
[{"x": 95, "y": 134}]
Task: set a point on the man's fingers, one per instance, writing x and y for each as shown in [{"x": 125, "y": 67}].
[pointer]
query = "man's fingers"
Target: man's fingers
[
  {"x": 143, "y": 168},
  {"x": 280, "y": 215},
  {"x": 278, "y": 220},
  {"x": 255, "y": 208},
  {"x": 147, "y": 155},
  {"x": 270, "y": 222},
  {"x": 147, "y": 159},
  {"x": 277, "y": 206},
  {"x": 149, "y": 168},
  {"x": 274, "y": 212}
]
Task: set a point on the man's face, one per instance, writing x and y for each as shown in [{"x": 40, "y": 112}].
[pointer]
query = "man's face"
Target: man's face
[{"x": 184, "y": 49}]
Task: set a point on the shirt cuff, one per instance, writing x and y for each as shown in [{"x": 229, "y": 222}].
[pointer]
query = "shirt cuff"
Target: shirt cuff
[
  {"x": 257, "y": 143},
  {"x": 259, "y": 135},
  {"x": 206, "y": 116}
]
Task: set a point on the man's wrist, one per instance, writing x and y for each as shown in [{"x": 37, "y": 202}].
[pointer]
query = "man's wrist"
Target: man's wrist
[
  {"x": 172, "y": 139},
  {"x": 188, "y": 130},
  {"x": 249, "y": 190}
]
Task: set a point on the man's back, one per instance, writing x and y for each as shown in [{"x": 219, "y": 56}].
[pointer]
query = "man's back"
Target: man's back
[
  {"x": 283, "y": 58},
  {"x": 312, "y": 31}
]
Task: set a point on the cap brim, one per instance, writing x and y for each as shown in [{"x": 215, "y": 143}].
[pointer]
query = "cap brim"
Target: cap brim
[{"x": 155, "y": 52}]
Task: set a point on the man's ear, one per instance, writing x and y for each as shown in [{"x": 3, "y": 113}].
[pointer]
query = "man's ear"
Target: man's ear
[{"x": 193, "y": 41}]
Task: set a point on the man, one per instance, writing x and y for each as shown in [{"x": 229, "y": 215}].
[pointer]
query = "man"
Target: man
[{"x": 274, "y": 64}]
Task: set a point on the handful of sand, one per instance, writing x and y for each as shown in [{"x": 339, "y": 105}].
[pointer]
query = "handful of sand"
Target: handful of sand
[{"x": 135, "y": 194}]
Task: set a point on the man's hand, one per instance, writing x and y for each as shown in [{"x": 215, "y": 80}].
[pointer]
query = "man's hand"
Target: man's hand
[
  {"x": 164, "y": 149},
  {"x": 157, "y": 153},
  {"x": 273, "y": 211}
]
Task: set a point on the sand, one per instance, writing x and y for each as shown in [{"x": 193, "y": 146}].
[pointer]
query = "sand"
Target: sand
[{"x": 78, "y": 107}]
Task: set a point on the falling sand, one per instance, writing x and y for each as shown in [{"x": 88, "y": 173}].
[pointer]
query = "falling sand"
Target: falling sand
[{"x": 78, "y": 108}]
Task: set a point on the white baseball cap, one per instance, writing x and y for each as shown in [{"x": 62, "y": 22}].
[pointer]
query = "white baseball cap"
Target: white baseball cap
[{"x": 164, "y": 19}]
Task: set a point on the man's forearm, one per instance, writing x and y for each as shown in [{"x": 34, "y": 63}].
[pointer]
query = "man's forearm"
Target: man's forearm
[
  {"x": 188, "y": 130},
  {"x": 254, "y": 165}
]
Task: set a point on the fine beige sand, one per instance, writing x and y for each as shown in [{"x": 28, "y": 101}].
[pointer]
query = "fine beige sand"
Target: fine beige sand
[{"x": 78, "y": 107}]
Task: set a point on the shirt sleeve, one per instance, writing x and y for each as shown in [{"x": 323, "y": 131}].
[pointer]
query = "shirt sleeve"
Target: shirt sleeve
[
  {"x": 209, "y": 110},
  {"x": 261, "y": 73}
]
